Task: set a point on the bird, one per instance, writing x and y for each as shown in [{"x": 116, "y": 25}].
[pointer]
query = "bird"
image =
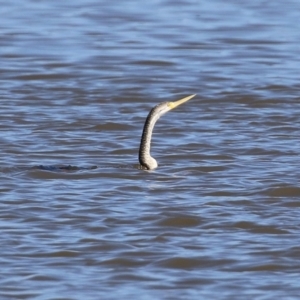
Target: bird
[{"x": 147, "y": 162}]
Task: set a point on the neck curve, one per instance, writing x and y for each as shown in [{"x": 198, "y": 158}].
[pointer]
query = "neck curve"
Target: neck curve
[{"x": 145, "y": 158}]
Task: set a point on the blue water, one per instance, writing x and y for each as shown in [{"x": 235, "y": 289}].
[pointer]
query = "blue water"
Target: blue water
[{"x": 218, "y": 219}]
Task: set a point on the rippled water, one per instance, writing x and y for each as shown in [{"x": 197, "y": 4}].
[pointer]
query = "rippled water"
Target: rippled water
[{"x": 219, "y": 218}]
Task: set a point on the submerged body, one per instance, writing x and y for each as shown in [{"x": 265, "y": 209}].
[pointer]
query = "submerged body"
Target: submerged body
[{"x": 146, "y": 160}]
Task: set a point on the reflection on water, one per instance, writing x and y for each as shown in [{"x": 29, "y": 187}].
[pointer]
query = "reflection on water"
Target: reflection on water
[{"x": 218, "y": 218}]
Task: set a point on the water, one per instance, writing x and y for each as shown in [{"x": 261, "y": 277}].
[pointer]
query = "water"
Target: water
[{"x": 218, "y": 219}]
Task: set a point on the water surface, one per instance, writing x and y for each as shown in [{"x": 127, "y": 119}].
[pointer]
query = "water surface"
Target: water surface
[{"x": 218, "y": 219}]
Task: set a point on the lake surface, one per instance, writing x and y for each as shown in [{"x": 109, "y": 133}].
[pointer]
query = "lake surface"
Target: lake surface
[{"x": 218, "y": 219}]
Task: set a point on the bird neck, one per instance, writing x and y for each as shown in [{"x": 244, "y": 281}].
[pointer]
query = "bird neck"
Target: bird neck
[{"x": 145, "y": 158}]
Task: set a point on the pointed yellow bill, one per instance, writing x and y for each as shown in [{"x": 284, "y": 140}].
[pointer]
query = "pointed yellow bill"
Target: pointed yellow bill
[{"x": 178, "y": 102}]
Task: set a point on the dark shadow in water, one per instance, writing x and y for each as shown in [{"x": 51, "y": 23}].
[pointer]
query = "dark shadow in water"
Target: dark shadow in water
[
  {"x": 63, "y": 168},
  {"x": 67, "y": 168}
]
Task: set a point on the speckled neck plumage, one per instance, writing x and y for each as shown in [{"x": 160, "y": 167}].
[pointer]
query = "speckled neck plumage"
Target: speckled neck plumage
[{"x": 145, "y": 158}]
